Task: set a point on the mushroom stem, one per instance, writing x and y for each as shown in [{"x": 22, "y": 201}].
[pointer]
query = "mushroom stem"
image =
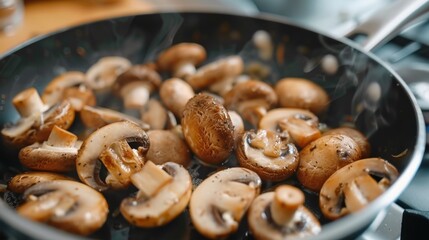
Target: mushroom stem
[
  {"x": 359, "y": 192},
  {"x": 287, "y": 199},
  {"x": 61, "y": 138},
  {"x": 150, "y": 180},
  {"x": 184, "y": 69},
  {"x": 28, "y": 102},
  {"x": 136, "y": 94}
]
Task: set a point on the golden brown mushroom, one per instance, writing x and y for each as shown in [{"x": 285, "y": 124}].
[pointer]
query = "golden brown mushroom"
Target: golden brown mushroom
[
  {"x": 102, "y": 75},
  {"x": 356, "y": 135},
  {"x": 21, "y": 182}
]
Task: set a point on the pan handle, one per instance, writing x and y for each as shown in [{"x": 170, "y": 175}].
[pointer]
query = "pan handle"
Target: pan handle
[{"x": 385, "y": 23}]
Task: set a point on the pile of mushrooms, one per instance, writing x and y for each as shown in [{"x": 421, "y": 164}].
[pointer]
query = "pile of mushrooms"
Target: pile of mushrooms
[{"x": 187, "y": 109}]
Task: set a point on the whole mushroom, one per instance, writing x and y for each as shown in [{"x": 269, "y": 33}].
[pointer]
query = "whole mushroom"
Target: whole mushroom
[
  {"x": 354, "y": 186},
  {"x": 218, "y": 204},
  {"x": 57, "y": 154},
  {"x": 37, "y": 119},
  {"x": 282, "y": 215},
  {"x": 21, "y": 182},
  {"x": 102, "y": 75},
  {"x": 269, "y": 154},
  {"x": 68, "y": 205},
  {"x": 208, "y": 129},
  {"x": 356, "y": 135},
  {"x": 135, "y": 85},
  {"x": 181, "y": 59},
  {"x": 175, "y": 93},
  {"x": 302, "y": 93},
  {"x": 164, "y": 192},
  {"x": 322, "y": 157},
  {"x": 110, "y": 145}
]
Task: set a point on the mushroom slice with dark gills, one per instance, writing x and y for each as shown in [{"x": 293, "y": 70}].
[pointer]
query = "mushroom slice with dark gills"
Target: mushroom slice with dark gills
[
  {"x": 164, "y": 192},
  {"x": 354, "y": 186},
  {"x": 301, "y": 124},
  {"x": 37, "y": 119},
  {"x": 67, "y": 205},
  {"x": 112, "y": 146},
  {"x": 268, "y": 153},
  {"x": 220, "y": 201},
  {"x": 282, "y": 215}
]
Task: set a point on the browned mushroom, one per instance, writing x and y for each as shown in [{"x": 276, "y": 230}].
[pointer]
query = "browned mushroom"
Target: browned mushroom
[
  {"x": 67, "y": 205},
  {"x": 208, "y": 129},
  {"x": 70, "y": 86},
  {"x": 102, "y": 75},
  {"x": 282, "y": 215},
  {"x": 97, "y": 117},
  {"x": 175, "y": 93},
  {"x": 322, "y": 157},
  {"x": 238, "y": 124},
  {"x": 220, "y": 201},
  {"x": 37, "y": 119},
  {"x": 302, "y": 93},
  {"x": 181, "y": 59},
  {"x": 57, "y": 154},
  {"x": 110, "y": 145},
  {"x": 301, "y": 125},
  {"x": 354, "y": 186},
  {"x": 164, "y": 192},
  {"x": 356, "y": 135},
  {"x": 136, "y": 84},
  {"x": 155, "y": 115},
  {"x": 21, "y": 182},
  {"x": 251, "y": 99},
  {"x": 224, "y": 69},
  {"x": 167, "y": 146},
  {"x": 268, "y": 153}
]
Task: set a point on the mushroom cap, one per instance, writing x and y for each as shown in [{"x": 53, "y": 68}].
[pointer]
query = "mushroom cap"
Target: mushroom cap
[
  {"x": 37, "y": 128},
  {"x": 155, "y": 114},
  {"x": 356, "y": 135},
  {"x": 138, "y": 73},
  {"x": 220, "y": 201},
  {"x": 165, "y": 205},
  {"x": 322, "y": 157},
  {"x": 97, "y": 117},
  {"x": 271, "y": 120},
  {"x": 87, "y": 162},
  {"x": 302, "y": 93},
  {"x": 166, "y": 146},
  {"x": 269, "y": 168},
  {"x": 216, "y": 71},
  {"x": 208, "y": 129},
  {"x": 53, "y": 92},
  {"x": 20, "y": 182},
  {"x": 262, "y": 226},
  {"x": 332, "y": 194},
  {"x": 102, "y": 75},
  {"x": 87, "y": 210},
  {"x": 175, "y": 93},
  {"x": 182, "y": 52}
]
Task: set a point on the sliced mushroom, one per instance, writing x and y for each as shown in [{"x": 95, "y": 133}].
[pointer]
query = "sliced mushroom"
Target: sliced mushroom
[
  {"x": 269, "y": 154},
  {"x": 111, "y": 146},
  {"x": 224, "y": 69},
  {"x": 208, "y": 129},
  {"x": 181, "y": 59},
  {"x": 220, "y": 201},
  {"x": 37, "y": 119},
  {"x": 301, "y": 125},
  {"x": 135, "y": 85},
  {"x": 102, "y": 75},
  {"x": 21, "y": 182},
  {"x": 67, "y": 205},
  {"x": 70, "y": 86},
  {"x": 238, "y": 124},
  {"x": 164, "y": 192},
  {"x": 155, "y": 115},
  {"x": 322, "y": 157},
  {"x": 167, "y": 146},
  {"x": 251, "y": 99},
  {"x": 57, "y": 154},
  {"x": 282, "y": 215},
  {"x": 97, "y": 117},
  {"x": 302, "y": 93},
  {"x": 354, "y": 186},
  {"x": 175, "y": 93},
  {"x": 356, "y": 135}
]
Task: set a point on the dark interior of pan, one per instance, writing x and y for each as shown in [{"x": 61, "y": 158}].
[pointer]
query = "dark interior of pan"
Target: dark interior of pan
[{"x": 363, "y": 92}]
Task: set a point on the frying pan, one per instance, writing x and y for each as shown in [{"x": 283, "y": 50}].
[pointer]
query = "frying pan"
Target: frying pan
[{"x": 392, "y": 121}]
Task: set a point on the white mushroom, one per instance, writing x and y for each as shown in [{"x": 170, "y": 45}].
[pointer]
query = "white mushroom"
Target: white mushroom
[
  {"x": 220, "y": 201},
  {"x": 102, "y": 75},
  {"x": 175, "y": 93},
  {"x": 67, "y": 205},
  {"x": 164, "y": 192}
]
